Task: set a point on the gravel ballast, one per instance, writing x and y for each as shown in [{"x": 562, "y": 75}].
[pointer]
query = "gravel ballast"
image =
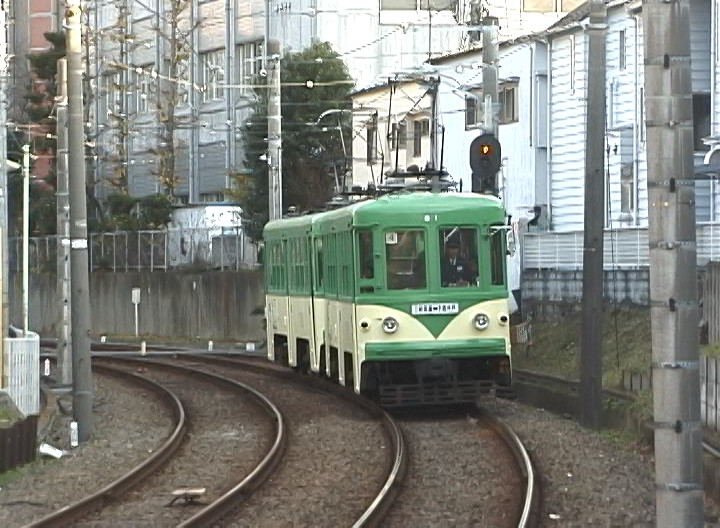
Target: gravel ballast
[{"x": 589, "y": 478}]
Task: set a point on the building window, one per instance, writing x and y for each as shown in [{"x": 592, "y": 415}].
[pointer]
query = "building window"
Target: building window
[
  {"x": 642, "y": 115},
  {"x": 212, "y": 66},
  {"x": 421, "y": 128},
  {"x": 627, "y": 188},
  {"x": 418, "y": 5},
  {"x": 622, "y": 57},
  {"x": 571, "y": 58},
  {"x": 508, "y": 102},
  {"x": 249, "y": 58},
  {"x": 398, "y": 136},
  {"x": 550, "y": 6},
  {"x": 371, "y": 140},
  {"x": 701, "y": 121},
  {"x": 470, "y": 112}
]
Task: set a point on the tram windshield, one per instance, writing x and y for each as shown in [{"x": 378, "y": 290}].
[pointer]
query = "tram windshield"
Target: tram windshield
[
  {"x": 405, "y": 253},
  {"x": 458, "y": 256}
]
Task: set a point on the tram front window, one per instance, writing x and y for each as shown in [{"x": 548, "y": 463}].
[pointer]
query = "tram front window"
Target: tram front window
[
  {"x": 459, "y": 257},
  {"x": 405, "y": 254}
]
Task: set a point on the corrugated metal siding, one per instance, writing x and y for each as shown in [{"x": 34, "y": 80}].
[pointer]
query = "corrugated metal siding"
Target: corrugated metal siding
[
  {"x": 212, "y": 168},
  {"x": 700, "y": 22},
  {"x": 22, "y": 360},
  {"x": 568, "y": 130}
]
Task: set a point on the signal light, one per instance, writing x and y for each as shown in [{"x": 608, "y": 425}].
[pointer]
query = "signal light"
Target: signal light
[{"x": 485, "y": 157}]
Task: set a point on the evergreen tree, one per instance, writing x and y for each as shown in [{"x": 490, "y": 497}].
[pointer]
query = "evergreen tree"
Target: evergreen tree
[{"x": 311, "y": 156}]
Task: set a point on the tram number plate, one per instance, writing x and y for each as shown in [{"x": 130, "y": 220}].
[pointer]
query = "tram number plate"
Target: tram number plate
[{"x": 435, "y": 308}]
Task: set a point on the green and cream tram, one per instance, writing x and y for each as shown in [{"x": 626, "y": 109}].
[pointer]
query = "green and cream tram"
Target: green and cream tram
[{"x": 402, "y": 297}]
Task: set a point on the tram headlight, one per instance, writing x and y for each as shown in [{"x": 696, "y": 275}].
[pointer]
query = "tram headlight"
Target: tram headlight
[
  {"x": 503, "y": 319},
  {"x": 481, "y": 321},
  {"x": 390, "y": 325}
]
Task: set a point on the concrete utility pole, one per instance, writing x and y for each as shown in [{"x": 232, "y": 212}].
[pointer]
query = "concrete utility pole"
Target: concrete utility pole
[
  {"x": 274, "y": 154},
  {"x": 4, "y": 262},
  {"x": 26, "y": 240},
  {"x": 64, "y": 338},
  {"x": 592, "y": 304},
  {"x": 490, "y": 48},
  {"x": 82, "y": 373},
  {"x": 673, "y": 261}
]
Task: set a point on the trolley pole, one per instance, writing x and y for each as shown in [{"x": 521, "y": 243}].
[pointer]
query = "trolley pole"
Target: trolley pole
[
  {"x": 274, "y": 154},
  {"x": 673, "y": 261},
  {"x": 592, "y": 303},
  {"x": 64, "y": 342},
  {"x": 82, "y": 374}
]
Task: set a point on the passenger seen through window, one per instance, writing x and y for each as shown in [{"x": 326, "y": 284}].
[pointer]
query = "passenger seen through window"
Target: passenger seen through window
[{"x": 458, "y": 253}]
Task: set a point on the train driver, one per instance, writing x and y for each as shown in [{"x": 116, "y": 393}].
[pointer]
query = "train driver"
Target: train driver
[{"x": 455, "y": 268}]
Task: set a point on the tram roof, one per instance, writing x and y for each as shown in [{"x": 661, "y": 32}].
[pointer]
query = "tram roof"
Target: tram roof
[{"x": 395, "y": 209}]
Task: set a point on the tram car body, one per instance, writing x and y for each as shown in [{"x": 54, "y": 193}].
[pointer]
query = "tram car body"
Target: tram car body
[{"x": 404, "y": 297}]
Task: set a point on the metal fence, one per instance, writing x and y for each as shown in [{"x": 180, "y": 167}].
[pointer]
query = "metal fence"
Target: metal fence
[
  {"x": 624, "y": 248},
  {"x": 22, "y": 361},
  {"x": 225, "y": 248}
]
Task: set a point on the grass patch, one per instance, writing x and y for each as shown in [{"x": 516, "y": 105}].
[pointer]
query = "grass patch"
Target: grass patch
[{"x": 556, "y": 349}]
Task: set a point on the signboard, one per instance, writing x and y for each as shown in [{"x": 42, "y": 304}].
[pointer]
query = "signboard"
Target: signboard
[
  {"x": 136, "y": 295},
  {"x": 435, "y": 309}
]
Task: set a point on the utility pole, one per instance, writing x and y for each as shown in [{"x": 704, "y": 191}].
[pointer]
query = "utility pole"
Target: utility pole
[
  {"x": 592, "y": 303},
  {"x": 82, "y": 373},
  {"x": 673, "y": 261},
  {"x": 4, "y": 262},
  {"x": 64, "y": 341},
  {"x": 26, "y": 240},
  {"x": 274, "y": 154},
  {"x": 490, "y": 48}
]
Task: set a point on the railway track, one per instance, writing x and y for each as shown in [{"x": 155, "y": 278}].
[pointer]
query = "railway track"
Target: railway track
[
  {"x": 468, "y": 469},
  {"x": 118, "y": 493},
  {"x": 339, "y": 507},
  {"x": 108, "y": 494}
]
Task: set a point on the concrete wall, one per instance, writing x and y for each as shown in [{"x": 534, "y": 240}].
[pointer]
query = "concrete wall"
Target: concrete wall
[{"x": 216, "y": 305}]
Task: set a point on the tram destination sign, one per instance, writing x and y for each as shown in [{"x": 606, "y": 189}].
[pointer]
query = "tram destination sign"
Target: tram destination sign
[{"x": 435, "y": 309}]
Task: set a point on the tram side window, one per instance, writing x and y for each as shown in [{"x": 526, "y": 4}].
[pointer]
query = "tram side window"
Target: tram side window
[
  {"x": 319, "y": 268},
  {"x": 405, "y": 253},
  {"x": 459, "y": 257},
  {"x": 365, "y": 251},
  {"x": 497, "y": 257}
]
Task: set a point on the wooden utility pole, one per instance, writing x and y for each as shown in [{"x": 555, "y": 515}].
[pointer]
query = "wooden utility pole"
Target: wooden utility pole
[
  {"x": 592, "y": 304},
  {"x": 673, "y": 261},
  {"x": 82, "y": 373}
]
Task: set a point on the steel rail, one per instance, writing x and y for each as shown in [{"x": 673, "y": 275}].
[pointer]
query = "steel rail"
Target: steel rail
[
  {"x": 97, "y": 500},
  {"x": 381, "y": 504},
  {"x": 530, "y": 515},
  {"x": 539, "y": 378},
  {"x": 246, "y": 487}
]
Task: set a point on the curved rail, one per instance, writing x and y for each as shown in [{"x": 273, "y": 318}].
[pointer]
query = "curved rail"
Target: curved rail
[
  {"x": 95, "y": 501},
  {"x": 539, "y": 378},
  {"x": 242, "y": 490},
  {"x": 530, "y": 515},
  {"x": 381, "y": 504}
]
